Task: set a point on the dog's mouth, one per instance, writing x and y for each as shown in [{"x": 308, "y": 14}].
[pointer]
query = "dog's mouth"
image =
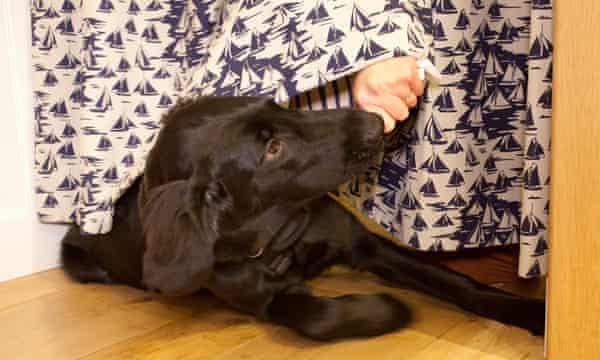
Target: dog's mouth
[
  {"x": 361, "y": 159},
  {"x": 290, "y": 231}
]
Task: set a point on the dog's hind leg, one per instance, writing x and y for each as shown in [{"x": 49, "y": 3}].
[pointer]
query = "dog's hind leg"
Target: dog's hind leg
[
  {"x": 77, "y": 260},
  {"x": 403, "y": 266}
]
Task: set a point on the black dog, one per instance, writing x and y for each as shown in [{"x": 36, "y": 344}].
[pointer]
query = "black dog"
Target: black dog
[{"x": 234, "y": 200}]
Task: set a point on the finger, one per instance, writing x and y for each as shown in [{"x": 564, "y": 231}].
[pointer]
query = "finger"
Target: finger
[
  {"x": 401, "y": 90},
  {"x": 416, "y": 84},
  {"x": 411, "y": 100},
  {"x": 413, "y": 81},
  {"x": 389, "y": 123},
  {"x": 394, "y": 106},
  {"x": 406, "y": 94}
]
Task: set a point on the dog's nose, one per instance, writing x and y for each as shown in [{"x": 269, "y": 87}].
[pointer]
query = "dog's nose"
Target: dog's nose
[{"x": 371, "y": 126}]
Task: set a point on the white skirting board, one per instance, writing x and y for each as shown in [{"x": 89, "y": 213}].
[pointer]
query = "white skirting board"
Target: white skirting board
[{"x": 26, "y": 246}]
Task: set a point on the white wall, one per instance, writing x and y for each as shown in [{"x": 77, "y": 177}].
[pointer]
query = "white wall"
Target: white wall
[{"x": 26, "y": 246}]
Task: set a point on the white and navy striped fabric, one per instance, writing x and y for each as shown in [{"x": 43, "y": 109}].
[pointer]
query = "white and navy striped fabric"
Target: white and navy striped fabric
[{"x": 474, "y": 174}]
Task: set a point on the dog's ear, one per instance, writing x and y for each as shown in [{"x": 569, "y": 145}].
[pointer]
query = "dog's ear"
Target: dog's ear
[
  {"x": 210, "y": 200},
  {"x": 180, "y": 238}
]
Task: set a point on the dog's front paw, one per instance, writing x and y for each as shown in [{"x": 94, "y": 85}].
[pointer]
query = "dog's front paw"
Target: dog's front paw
[{"x": 322, "y": 318}]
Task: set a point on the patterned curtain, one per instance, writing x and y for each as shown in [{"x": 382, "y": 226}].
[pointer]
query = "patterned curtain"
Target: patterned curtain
[
  {"x": 103, "y": 72},
  {"x": 474, "y": 174},
  {"x": 476, "y": 170}
]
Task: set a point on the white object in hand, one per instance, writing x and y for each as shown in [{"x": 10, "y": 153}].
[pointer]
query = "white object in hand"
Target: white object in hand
[{"x": 427, "y": 68}]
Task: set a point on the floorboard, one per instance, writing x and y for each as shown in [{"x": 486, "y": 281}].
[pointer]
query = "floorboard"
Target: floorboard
[{"x": 47, "y": 316}]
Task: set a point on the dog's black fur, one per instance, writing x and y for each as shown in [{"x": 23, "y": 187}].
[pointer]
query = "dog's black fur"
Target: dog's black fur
[{"x": 233, "y": 200}]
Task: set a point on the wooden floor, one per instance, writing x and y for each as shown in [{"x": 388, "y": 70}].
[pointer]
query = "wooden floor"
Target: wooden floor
[{"x": 47, "y": 317}]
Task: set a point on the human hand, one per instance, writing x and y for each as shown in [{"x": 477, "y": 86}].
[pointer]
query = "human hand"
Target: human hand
[{"x": 389, "y": 88}]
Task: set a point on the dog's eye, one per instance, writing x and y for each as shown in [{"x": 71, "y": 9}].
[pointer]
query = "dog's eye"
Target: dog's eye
[
  {"x": 274, "y": 149},
  {"x": 265, "y": 134}
]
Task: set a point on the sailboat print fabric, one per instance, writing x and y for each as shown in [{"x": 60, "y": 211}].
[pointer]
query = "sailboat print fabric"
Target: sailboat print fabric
[
  {"x": 104, "y": 71},
  {"x": 475, "y": 171}
]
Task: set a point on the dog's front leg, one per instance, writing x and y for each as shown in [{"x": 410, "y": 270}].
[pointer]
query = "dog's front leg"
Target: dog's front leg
[
  {"x": 329, "y": 318},
  {"x": 287, "y": 301}
]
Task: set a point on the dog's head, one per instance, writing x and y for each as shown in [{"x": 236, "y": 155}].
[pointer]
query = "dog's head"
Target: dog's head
[{"x": 223, "y": 168}]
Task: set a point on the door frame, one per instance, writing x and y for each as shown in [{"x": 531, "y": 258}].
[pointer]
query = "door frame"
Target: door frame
[{"x": 573, "y": 330}]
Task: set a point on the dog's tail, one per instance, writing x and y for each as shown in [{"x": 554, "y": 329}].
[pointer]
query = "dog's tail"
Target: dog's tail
[{"x": 77, "y": 260}]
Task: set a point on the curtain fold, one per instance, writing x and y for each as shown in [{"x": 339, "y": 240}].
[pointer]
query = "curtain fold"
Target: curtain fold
[
  {"x": 475, "y": 172},
  {"x": 104, "y": 71},
  {"x": 473, "y": 175}
]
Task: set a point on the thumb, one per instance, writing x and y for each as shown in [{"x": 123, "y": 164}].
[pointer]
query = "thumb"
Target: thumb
[{"x": 388, "y": 121}]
